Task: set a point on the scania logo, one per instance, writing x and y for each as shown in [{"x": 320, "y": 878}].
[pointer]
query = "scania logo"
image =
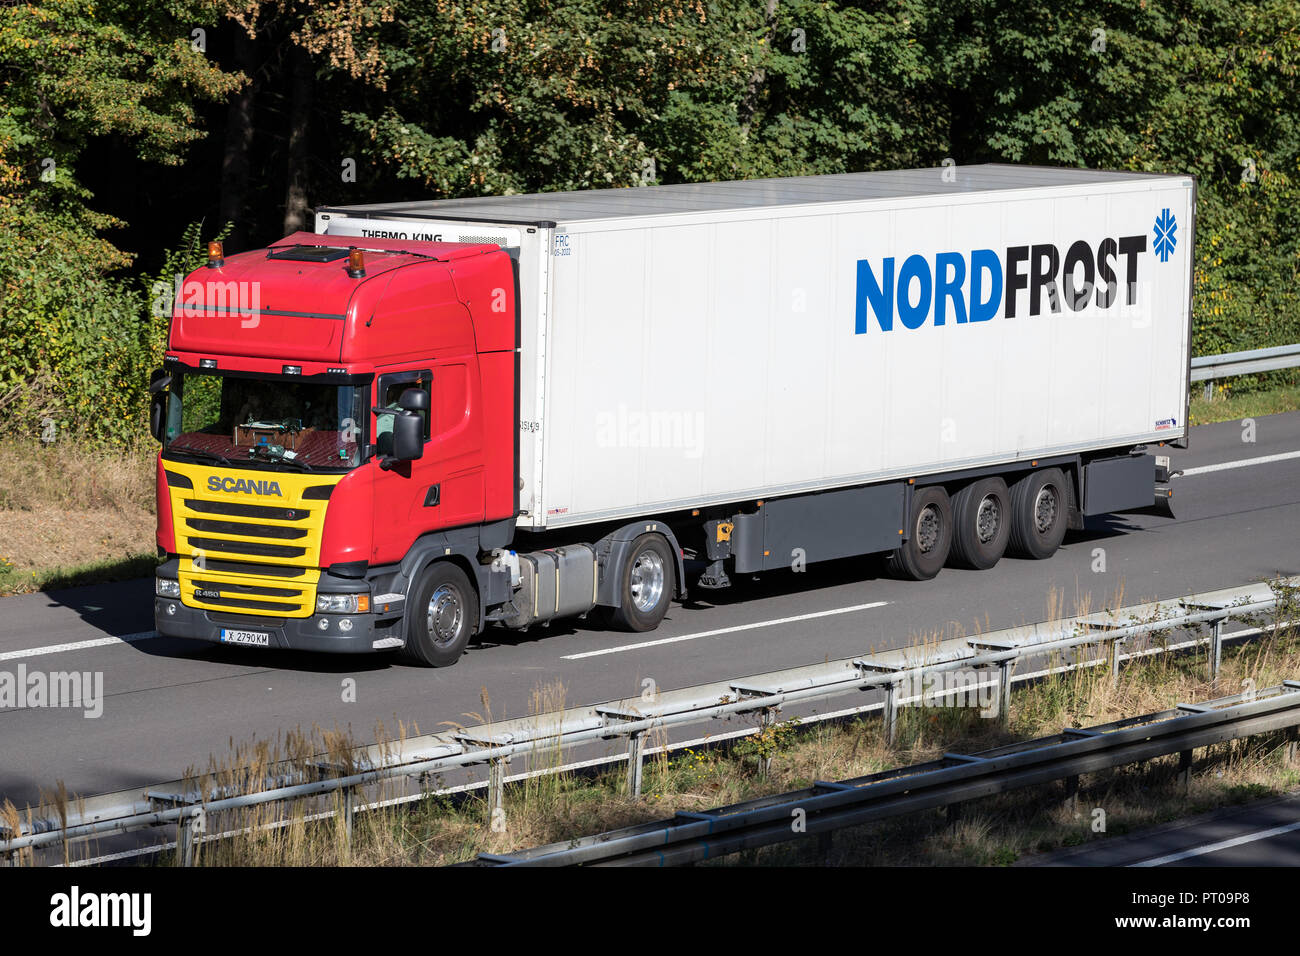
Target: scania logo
[{"x": 246, "y": 486}]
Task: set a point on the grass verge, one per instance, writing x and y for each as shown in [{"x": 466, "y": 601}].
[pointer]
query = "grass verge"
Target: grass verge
[
  {"x": 1225, "y": 406},
  {"x": 73, "y": 514},
  {"x": 439, "y": 829}
]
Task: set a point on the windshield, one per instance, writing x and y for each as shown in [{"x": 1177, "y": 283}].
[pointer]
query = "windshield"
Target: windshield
[{"x": 280, "y": 423}]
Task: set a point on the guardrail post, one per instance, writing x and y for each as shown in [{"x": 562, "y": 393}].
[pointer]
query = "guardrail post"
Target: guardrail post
[
  {"x": 497, "y": 784},
  {"x": 1114, "y": 662},
  {"x": 891, "y": 712},
  {"x": 635, "y": 751},
  {"x": 185, "y": 840},
  {"x": 1216, "y": 651},
  {"x": 349, "y": 810},
  {"x": 1292, "y": 738},
  {"x": 1209, "y": 389},
  {"x": 1004, "y": 691},
  {"x": 1185, "y": 770},
  {"x": 1072, "y": 794},
  {"x": 765, "y": 721}
]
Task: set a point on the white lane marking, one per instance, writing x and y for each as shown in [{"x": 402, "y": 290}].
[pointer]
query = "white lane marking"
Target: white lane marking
[
  {"x": 77, "y": 645},
  {"x": 1243, "y": 463},
  {"x": 723, "y": 630},
  {"x": 1221, "y": 845}
]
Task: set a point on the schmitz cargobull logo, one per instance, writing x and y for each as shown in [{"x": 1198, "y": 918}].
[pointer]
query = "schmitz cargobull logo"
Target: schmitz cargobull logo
[{"x": 247, "y": 486}]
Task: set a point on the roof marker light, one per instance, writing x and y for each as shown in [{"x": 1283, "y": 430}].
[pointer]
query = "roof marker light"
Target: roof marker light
[{"x": 216, "y": 257}]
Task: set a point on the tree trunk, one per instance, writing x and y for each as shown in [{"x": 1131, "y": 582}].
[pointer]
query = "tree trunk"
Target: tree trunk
[
  {"x": 300, "y": 98},
  {"x": 749, "y": 102},
  {"x": 239, "y": 141}
]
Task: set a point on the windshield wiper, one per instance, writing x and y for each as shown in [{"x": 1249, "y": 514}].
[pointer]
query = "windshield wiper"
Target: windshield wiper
[{"x": 199, "y": 453}]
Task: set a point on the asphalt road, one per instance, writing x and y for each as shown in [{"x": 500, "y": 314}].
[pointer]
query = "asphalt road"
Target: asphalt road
[
  {"x": 1264, "y": 833},
  {"x": 169, "y": 704}
]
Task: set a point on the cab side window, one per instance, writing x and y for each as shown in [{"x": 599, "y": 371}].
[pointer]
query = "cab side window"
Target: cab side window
[{"x": 389, "y": 392}]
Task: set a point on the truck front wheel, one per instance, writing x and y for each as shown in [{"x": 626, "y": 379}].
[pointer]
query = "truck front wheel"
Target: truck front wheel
[
  {"x": 1039, "y": 506},
  {"x": 923, "y": 554},
  {"x": 646, "y": 584},
  {"x": 442, "y": 617}
]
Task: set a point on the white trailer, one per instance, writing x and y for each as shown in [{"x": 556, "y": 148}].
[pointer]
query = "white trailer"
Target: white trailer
[{"x": 812, "y": 363}]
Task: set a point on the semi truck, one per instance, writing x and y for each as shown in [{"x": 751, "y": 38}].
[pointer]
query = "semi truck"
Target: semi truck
[{"x": 423, "y": 420}]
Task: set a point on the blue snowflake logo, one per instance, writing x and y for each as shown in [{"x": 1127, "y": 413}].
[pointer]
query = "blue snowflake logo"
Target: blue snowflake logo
[{"x": 1165, "y": 228}]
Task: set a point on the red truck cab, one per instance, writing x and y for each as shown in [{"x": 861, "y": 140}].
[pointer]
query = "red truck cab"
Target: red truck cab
[{"x": 322, "y": 408}]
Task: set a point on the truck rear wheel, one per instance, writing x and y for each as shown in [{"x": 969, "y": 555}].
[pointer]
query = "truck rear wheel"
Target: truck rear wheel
[
  {"x": 981, "y": 517},
  {"x": 923, "y": 554},
  {"x": 442, "y": 617},
  {"x": 646, "y": 585},
  {"x": 1039, "y": 506}
]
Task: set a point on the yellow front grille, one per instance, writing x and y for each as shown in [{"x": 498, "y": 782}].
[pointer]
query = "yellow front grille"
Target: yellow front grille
[{"x": 248, "y": 553}]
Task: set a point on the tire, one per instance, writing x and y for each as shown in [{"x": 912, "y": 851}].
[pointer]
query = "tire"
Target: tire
[
  {"x": 1039, "y": 513},
  {"x": 981, "y": 524},
  {"x": 441, "y": 617},
  {"x": 924, "y": 553},
  {"x": 646, "y": 585}
]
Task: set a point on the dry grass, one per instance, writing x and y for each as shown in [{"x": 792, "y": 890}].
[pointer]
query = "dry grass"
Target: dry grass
[
  {"x": 440, "y": 829},
  {"x": 66, "y": 508}
]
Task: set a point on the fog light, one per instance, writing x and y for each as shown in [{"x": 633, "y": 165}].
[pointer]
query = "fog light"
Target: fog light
[
  {"x": 171, "y": 609},
  {"x": 323, "y": 624},
  {"x": 167, "y": 587},
  {"x": 345, "y": 624}
]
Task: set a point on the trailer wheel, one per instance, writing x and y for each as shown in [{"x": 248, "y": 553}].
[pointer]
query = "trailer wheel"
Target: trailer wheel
[
  {"x": 1039, "y": 505},
  {"x": 981, "y": 518},
  {"x": 923, "y": 554},
  {"x": 442, "y": 617},
  {"x": 646, "y": 588}
]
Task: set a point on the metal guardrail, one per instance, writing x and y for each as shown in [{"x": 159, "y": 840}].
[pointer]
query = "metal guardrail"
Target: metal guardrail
[
  {"x": 1207, "y": 368},
  {"x": 190, "y": 803},
  {"x": 955, "y": 778}
]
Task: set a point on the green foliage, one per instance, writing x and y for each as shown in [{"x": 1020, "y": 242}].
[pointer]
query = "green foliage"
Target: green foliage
[
  {"x": 76, "y": 339},
  {"x": 467, "y": 97}
]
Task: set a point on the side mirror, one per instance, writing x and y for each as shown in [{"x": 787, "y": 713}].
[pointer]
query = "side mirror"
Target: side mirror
[
  {"x": 157, "y": 414},
  {"x": 408, "y": 435},
  {"x": 414, "y": 400}
]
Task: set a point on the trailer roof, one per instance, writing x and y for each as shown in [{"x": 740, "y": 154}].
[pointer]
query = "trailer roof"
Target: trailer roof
[{"x": 592, "y": 204}]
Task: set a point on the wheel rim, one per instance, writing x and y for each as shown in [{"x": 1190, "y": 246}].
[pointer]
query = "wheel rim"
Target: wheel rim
[
  {"x": 445, "y": 615},
  {"x": 929, "y": 524},
  {"x": 988, "y": 519},
  {"x": 647, "y": 581},
  {"x": 1045, "y": 509}
]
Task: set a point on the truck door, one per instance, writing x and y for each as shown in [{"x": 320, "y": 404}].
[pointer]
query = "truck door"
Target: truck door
[
  {"x": 400, "y": 491},
  {"x": 444, "y": 488}
]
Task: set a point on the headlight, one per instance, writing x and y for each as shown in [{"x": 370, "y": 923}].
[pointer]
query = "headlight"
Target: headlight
[
  {"x": 343, "y": 603},
  {"x": 167, "y": 587}
]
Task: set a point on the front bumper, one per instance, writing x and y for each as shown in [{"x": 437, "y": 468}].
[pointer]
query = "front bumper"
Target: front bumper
[{"x": 299, "y": 634}]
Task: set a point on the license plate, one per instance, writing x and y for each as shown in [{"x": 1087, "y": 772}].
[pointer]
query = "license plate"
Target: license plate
[{"x": 250, "y": 638}]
